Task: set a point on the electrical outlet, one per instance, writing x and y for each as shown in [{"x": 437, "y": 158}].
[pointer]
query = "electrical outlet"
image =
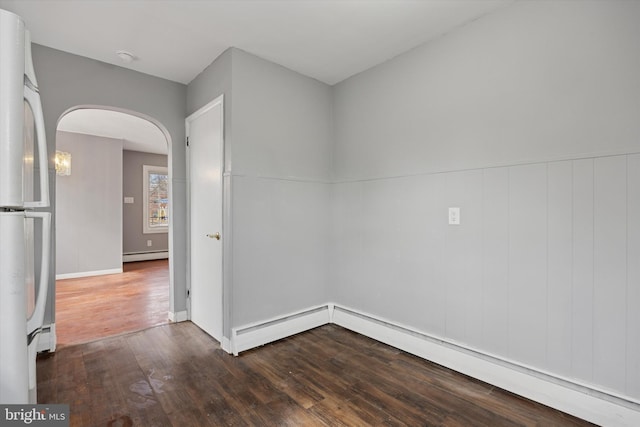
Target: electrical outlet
[
  {"x": 128, "y": 200},
  {"x": 149, "y": 243},
  {"x": 454, "y": 216}
]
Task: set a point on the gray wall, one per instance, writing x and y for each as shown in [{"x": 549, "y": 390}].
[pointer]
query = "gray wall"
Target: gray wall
[
  {"x": 530, "y": 82},
  {"x": 279, "y": 158},
  {"x": 282, "y": 122},
  {"x": 67, "y": 80},
  {"x": 526, "y": 119},
  {"x": 215, "y": 80},
  {"x": 88, "y": 205},
  {"x": 133, "y": 239},
  {"x": 281, "y": 166}
]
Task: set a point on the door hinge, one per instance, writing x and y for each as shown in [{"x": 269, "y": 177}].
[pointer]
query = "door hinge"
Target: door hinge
[
  {"x": 187, "y": 141},
  {"x": 188, "y": 293}
]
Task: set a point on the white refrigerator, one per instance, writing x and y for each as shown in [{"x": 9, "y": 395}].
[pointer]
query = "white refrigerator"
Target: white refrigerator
[{"x": 24, "y": 187}]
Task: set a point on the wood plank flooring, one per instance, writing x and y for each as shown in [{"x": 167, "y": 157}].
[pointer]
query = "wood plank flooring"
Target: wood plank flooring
[
  {"x": 176, "y": 375},
  {"x": 90, "y": 308}
]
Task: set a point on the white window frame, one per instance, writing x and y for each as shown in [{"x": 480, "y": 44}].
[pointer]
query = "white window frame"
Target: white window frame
[{"x": 146, "y": 228}]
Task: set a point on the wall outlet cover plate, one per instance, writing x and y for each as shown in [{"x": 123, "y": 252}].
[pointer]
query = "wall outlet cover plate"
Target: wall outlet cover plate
[{"x": 454, "y": 216}]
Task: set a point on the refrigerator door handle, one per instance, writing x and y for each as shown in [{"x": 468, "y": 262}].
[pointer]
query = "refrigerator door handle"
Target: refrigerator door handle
[
  {"x": 34, "y": 323},
  {"x": 32, "y": 97}
]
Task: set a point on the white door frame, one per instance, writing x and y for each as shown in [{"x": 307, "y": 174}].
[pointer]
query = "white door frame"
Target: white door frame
[{"x": 226, "y": 229}]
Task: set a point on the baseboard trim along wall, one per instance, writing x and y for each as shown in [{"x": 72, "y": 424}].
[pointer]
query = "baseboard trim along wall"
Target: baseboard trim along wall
[
  {"x": 47, "y": 340},
  {"x": 583, "y": 401},
  {"x": 261, "y": 333},
  {"x": 88, "y": 274},
  {"x": 178, "y": 316},
  {"x": 226, "y": 345},
  {"x": 145, "y": 256}
]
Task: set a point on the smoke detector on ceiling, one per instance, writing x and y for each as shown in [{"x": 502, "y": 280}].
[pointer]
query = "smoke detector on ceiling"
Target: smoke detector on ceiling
[{"x": 126, "y": 57}]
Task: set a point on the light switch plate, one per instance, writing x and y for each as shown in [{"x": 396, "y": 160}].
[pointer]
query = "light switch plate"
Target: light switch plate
[
  {"x": 128, "y": 199},
  {"x": 454, "y": 216}
]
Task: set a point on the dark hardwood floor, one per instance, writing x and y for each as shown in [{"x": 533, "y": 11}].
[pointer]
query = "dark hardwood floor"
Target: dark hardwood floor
[
  {"x": 176, "y": 375},
  {"x": 89, "y": 308}
]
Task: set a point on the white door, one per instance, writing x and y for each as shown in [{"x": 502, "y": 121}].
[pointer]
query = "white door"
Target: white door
[{"x": 205, "y": 154}]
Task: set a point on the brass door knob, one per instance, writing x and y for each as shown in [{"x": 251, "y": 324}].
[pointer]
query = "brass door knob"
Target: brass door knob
[{"x": 214, "y": 236}]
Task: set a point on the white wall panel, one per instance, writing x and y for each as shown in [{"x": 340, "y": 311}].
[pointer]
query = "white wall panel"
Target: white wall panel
[
  {"x": 516, "y": 278},
  {"x": 528, "y": 263},
  {"x": 633, "y": 275},
  {"x": 410, "y": 243},
  {"x": 345, "y": 246},
  {"x": 495, "y": 258},
  {"x": 582, "y": 312},
  {"x": 434, "y": 300},
  {"x": 462, "y": 258},
  {"x": 380, "y": 228},
  {"x": 610, "y": 272},
  {"x": 280, "y": 233},
  {"x": 403, "y": 233},
  {"x": 560, "y": 258}
]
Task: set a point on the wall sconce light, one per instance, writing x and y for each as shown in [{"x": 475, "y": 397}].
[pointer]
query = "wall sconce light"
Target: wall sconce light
[{"x": 63, "y": 163}]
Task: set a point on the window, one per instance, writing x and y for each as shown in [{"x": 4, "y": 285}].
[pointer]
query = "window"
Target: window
[{"x": 155, "y": 199}]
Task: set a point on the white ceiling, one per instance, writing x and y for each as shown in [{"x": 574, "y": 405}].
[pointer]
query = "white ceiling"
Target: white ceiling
[
  {"x": 137, "y": 134},
  {"x": 329, "y": 40}
]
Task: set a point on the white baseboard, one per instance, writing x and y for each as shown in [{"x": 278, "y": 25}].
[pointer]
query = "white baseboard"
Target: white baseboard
[
  {"x": 261, "y": 333},
  {"x": 145, "y": 256},
  {"x": 178, "y": 316},
  {"x": 88, "y": 273},
  {"x": 47, "y": 340},
  {"x": 583, "y": 401},
  {"x": 556, "y": 393},
  {"x": 226, "y": 345}
]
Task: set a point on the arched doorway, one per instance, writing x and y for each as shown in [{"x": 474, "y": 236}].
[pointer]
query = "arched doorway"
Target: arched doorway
[{"x": 112, "y": 224}]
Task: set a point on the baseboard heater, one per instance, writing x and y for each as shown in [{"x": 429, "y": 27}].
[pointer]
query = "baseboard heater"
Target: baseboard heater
[
  {"x": 261, "y": 333},
  {"x": 582, "y": 400},
  {"x": 144, "y": 256}
]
